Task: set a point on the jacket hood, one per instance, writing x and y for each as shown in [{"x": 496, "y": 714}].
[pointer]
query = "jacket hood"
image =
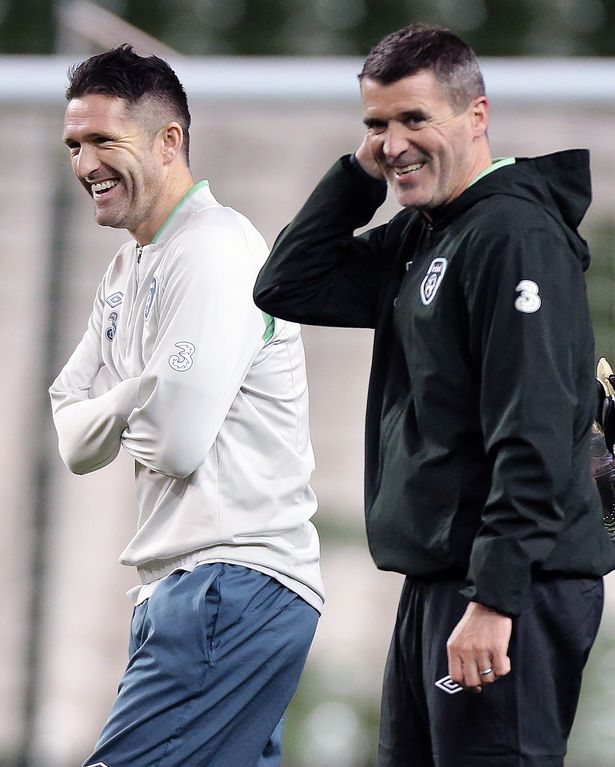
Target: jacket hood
[{"x": 559, "y": 182}]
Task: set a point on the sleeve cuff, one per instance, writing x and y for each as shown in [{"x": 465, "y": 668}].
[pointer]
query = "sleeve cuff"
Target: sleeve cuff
[{"x": 350, "y": 161}]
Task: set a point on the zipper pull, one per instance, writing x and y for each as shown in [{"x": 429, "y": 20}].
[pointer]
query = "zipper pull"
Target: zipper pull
[{"x": 429, "y": 233}]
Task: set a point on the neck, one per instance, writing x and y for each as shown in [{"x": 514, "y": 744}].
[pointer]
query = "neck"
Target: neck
[
  {"x": 173, "y": 191},
  {"x": 480, "y": 162},
  {"x": 483, "y": 158}
]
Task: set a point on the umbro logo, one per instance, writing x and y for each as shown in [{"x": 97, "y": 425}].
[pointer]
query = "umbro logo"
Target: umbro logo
[
  {"x": 115, "y": 299},
  {"x": 446, "y": 684}
]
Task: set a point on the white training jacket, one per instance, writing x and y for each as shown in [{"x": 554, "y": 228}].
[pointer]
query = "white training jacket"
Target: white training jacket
[{"x": 180, "y": 368}]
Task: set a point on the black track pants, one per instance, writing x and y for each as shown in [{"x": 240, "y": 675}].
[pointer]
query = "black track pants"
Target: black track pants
[{"x": 523, "y": 719}]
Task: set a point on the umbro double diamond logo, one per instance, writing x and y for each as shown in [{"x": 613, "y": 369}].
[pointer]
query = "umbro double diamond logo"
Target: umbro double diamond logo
[{"x": 447, "y": 685}]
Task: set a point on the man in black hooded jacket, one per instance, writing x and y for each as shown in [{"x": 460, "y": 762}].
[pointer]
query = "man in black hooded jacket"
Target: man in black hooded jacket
[{"x": 477, "y": 479}]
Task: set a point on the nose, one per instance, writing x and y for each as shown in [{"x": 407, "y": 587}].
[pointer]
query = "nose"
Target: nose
[
  {"x": 86, "y": 161},
  {"x": 395, "y": 140}
]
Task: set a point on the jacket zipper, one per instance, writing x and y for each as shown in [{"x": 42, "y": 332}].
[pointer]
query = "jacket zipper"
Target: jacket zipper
[
  {"x": 139, "y": 253},
  {"x": 426, "y": 241}
]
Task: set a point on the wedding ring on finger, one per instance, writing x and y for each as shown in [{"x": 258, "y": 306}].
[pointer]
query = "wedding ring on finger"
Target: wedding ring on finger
[{"x": 486, "y": 671}]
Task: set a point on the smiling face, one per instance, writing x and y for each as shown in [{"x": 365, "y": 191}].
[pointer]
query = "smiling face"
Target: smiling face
[
  {"x": 117, "y": 159},
  {"x": 428, "y": 150}
]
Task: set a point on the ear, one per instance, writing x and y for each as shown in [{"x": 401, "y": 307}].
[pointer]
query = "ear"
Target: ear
[
  {"x": 172, "y": 142},
  {"x": 479, "y": 112}
]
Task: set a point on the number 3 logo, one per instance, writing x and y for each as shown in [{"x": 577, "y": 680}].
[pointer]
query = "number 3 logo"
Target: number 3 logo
[
  {"x": 182, "y": 361},
  {"x": 528, "y": 301}
]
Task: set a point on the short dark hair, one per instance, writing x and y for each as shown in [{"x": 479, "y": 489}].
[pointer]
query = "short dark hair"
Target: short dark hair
[
  {"x": 122, "y": 73},
  {"x": 421, "y": 47}
]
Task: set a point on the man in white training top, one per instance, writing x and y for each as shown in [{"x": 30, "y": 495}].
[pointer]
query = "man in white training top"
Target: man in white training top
[{"x": 179, "y": 368}]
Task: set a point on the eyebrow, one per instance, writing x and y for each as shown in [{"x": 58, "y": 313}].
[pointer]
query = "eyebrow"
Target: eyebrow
[
  {"x": 89, "y": 137},
  {"x": 372, "y": 122},
  {"x": 411, "y": 114}
]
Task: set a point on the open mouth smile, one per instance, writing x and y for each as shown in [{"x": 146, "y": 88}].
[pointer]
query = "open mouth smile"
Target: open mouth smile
[
  {"x": 101, "y": 187},
  {"x": 408, "y": 169}
]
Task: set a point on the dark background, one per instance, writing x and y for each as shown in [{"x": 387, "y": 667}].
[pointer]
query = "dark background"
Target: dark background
[{"x": 332, "y": 27}]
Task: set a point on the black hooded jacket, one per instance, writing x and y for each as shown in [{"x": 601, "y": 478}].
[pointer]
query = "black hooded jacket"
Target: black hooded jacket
[{"x": 481, "y": 394}]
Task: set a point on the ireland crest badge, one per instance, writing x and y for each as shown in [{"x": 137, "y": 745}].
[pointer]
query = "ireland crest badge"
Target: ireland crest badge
[{"x": 432, "y": 280}]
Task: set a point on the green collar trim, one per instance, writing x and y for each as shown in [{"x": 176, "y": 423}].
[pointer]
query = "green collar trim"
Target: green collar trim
[
  {"x": 499, "y": 162},
  {"x": 269, "y": 327},
  {"x": 189, "y": 193}
]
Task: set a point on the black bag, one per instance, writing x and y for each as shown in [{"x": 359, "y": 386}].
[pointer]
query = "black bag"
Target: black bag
[{"x": 603, "y": 437}]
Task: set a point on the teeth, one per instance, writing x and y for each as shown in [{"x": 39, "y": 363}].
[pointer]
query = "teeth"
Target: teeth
[
  {"x": 100, "y": 186},
  {"x": 409, "y": 168}
]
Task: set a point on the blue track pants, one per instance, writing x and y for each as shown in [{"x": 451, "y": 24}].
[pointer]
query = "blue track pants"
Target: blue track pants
[{"x": 215, "y": 657}]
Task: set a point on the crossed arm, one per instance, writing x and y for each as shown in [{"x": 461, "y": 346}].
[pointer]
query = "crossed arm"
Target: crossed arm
[{"x": 168, "y": 416}]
